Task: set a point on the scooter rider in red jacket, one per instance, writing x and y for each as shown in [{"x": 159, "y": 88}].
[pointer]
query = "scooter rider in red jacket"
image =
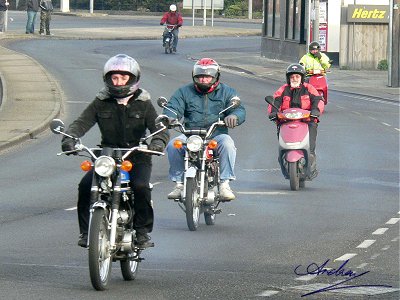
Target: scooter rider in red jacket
[
  {"x": 172, "y": 18},
  {"x": 297, "y": 93}
]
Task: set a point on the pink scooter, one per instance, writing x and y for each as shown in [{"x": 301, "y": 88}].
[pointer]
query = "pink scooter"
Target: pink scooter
[
  {"x": 317, "y": 78},
  {"x": 294, "y": 145}
]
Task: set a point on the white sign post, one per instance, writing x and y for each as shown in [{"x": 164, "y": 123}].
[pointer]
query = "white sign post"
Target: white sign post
[{"x": 204, "y": 4}]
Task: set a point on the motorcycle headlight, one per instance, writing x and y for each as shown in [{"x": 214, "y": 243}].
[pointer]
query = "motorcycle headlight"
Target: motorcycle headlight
[
  {"x": 294, "y": 115},
  {"x": 194, "y": 143},
  {"x": 104, "y": 166}
]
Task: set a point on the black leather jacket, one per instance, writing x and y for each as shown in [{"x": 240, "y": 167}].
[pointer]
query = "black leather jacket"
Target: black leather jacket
[{"x": 120, "y": 126}]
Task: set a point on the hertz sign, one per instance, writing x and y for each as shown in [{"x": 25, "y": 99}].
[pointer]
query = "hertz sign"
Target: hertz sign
[{"x": 368, "y": 14}]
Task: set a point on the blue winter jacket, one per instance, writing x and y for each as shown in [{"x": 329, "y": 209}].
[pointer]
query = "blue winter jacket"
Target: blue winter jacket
[{"x": 201, "y": 110}]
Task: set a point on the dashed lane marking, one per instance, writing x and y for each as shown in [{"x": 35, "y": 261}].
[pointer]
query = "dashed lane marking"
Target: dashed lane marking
[
  {"x": 351, "y": 290},
  {"x": 262, "y": 193},
  {"x": 346, "y": 257},
  {"x": 380, "y": 231},
  {"x": 306, "y": 277},
  {"x": 267, "y": 293},
  {"x": 362, "y": 266},
  {"x": 366, "y": 244},
  {"x": 386, "y": 124},
  {"x": 71, "y": 208},
  {"x": 393, "y": 221}
]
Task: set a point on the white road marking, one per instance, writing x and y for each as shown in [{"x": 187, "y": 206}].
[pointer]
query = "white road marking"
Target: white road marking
[
  {"x": 380, "y": 231},
  {"x": 362, "y": 266},
  {"x": 386, "y": 124},
  {"x": 395, "y": 239},
  {"x": 393, "y": 221},
  {"x": 345, "y": 257},
  {"x": 262, "y": 170},
  {"x": 375, "y": 255},
  {"x": 267, "y": 293},
  {"x": 306, "y": 277},
  {"x": 262, "y": 193},
  {"x": 398, "y": 129},
  {"x": 356, "y": 113},
  {"x": 366, "y": 244},
  {"x": 371, "y": 290},
  {"x": 71, "y": 208},
  {"x": 385, "y": 248}
]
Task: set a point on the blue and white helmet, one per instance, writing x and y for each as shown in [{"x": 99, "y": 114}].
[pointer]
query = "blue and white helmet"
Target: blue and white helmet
[{"x": 121, "y": 64}]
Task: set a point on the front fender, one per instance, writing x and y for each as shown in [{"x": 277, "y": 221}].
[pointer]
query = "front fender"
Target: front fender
[
  {"x": 294, "y": 155},
  {"x": 99, "y": 204}
]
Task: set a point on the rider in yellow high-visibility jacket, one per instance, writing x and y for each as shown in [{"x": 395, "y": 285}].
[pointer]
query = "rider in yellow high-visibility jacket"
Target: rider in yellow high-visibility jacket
[{"x": 314, "y": 59}]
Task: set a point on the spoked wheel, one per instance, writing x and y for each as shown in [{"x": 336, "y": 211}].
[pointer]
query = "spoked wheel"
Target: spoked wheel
[
  {"x": 99, "y": 251},
  {"x": 192, "y": 204},
  {"x": 294, "y": 176},
  {"x": 129, "y": 268}
]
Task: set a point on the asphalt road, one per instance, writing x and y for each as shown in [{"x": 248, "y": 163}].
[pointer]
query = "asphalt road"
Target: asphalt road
[{"x": 258, "y": 240}]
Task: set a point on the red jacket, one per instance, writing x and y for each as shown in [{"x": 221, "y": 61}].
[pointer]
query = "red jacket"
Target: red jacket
[
  {"x": 173, "y": 18},
  {"x": 304, "y": 97}
]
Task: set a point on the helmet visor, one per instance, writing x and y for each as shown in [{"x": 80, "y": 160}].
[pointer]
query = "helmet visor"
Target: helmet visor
[{"x": 205, "y": 70}]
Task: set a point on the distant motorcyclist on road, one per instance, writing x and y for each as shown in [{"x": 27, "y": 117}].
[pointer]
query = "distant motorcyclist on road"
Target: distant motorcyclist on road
[
  {"x": 297, "y": 93},
  {"x": 172, "y": 18},
  {"x": 124, "y": 113},
  {"x": 199, "y": 103},
  {"x": 315, "y": 60}
]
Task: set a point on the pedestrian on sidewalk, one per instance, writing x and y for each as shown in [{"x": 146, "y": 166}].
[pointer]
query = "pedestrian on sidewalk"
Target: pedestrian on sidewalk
[
  {"x": 32, "y": 7},
  {"x": 46, "y": 8},
  {"x": 3, "y": 8}
]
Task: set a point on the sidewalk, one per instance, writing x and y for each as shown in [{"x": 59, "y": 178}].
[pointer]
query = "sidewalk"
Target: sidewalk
[{"x": 32, "y": 98}]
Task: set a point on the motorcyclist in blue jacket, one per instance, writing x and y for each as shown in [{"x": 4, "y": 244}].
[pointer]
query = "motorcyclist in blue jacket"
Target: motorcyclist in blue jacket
[{"x": 199, "y": 103}]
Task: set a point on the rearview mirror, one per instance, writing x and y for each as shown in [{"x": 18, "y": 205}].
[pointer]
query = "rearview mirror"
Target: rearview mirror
[
  {"x": 234, "y": 102},
  {"x": 162, "y": 101},
  {"x": 57, "y": 126},
  {"x": 270, "y": 100}
]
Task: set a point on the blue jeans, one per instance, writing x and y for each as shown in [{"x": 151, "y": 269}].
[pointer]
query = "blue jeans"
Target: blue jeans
[
  {"x": 226, "y": 152},
  {"x": 30, "y": 23}
]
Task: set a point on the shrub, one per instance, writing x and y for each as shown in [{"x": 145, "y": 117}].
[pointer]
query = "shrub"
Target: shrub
[{"x": 383, "y": 65}]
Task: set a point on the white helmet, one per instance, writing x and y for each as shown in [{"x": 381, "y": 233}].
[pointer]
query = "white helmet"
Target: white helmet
[
  {"x": 121, "y": 64},
  {"x": 172, "y": 7}
]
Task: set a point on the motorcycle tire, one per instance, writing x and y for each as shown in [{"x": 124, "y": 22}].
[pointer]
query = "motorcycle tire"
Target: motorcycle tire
[
  {"x": 191, "y": 204},
  {"x": 294, "y": 176},
  {"x": 129, "y": 268},
  {"x": 100, "y": 259}
]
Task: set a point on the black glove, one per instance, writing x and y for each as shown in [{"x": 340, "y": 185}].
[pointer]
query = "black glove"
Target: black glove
[
  {"x": 272, "y": 116},
  {"x": 318, "y": 55},
  {"x": 179, "y": 25},
  {"x": 161, "y": 24},
  {"x": 68, "y": 144},
  {"x": 157, "y": 145}
]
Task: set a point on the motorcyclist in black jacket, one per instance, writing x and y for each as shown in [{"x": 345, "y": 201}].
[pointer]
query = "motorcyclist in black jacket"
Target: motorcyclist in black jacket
[{"x": 123, "y": 112}]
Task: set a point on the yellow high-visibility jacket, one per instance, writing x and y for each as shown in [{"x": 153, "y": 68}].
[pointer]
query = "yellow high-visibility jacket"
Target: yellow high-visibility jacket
[{"x": 313, "y": 63}]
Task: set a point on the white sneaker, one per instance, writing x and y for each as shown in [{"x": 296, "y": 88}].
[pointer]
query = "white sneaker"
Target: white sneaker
[
  {"x": 225, "y": 191},
  {"x": 176, "y": 192}
]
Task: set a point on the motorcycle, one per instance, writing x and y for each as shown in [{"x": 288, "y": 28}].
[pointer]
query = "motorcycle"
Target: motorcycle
[
  {"x": 294, "y": 145},
  {"x": 201, "y": 180},
  {"x": 168, "y": 38},
  {"x": 111, "y": 236}
]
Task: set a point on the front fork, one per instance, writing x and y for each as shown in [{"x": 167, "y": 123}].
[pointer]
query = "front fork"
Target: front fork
[
  {"x": 102, "y": 205},
  {"x": 202, "y": 172}
]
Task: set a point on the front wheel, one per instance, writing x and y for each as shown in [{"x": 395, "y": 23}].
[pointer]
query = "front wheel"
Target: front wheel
[
  {"x": 192, "y": 204},
  {"x": 294, "y": 176},
  {"x": 129, "y": 268},
  {"x": 99, "y": 251}
]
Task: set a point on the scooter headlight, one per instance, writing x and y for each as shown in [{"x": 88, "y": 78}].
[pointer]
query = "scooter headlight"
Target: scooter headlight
[
  {"x": 194, "y": 143},
  {"x": 104, "y": 166},
  {"x": 295, "y": 115}
]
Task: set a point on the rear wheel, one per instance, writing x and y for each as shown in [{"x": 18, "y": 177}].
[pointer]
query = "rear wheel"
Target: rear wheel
[
  {"x": 99, "y": 251},
  {"x": 192, "y": 204},
  {"x": 129, "y": 268},
  {"x": 294, "y": 176}
]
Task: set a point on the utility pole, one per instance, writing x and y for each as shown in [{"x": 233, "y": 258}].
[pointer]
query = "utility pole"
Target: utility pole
[
  {"x": 394, "y": 45},
  {"x": 316, "y": 21},
  {"x": 250, "y": 9}
]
